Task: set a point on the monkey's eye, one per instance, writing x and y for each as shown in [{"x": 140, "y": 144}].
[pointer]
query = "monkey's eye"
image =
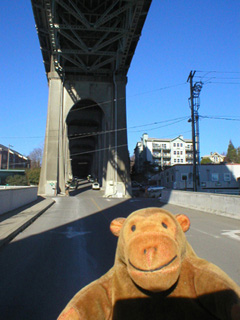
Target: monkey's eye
[
  {"x": 133, "y": 227},
  {"x": 164, "y": 225}
]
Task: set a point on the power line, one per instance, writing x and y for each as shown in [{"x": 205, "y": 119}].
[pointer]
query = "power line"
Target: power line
[
  {"x": 222, "y": 78},
  {"x": 219, "y": 118},
  {"x": 220, "y": 82},
  {"x": 97, "y": 150},
  {"x": 86, "y": 134},
  {"x": 83, "y": 135},
  {"x": 215, "y": 71},
  {"x": 164, "y": 125},
  {"x": 160, "y": 89},
  {"x": 154, "y": 123},
  {"x": 123, "y": 98}
]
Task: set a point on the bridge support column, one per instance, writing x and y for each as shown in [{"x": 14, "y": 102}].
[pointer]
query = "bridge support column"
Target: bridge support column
[
  {"x": 118, "y": 167},
  {"x": 52, "y": 171}
]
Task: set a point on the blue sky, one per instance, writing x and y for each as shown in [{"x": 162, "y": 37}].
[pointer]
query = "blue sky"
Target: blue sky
[{"x": 178, "y": 36}]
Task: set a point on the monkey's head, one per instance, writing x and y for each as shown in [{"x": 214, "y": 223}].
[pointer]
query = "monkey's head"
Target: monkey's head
[{"x": 152, "y": 246}]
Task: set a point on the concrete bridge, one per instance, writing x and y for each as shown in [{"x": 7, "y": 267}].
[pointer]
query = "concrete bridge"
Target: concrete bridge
[{"x": 87, "y": 47}]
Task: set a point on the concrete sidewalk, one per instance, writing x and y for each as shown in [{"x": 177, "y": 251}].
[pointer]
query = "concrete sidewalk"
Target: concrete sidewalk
[{"x": 14, "y": 222}]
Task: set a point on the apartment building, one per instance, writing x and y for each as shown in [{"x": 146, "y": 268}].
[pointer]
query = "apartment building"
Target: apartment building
[
  {"x": 11, "y": 159},
  {"x": 162, "y": 152}
]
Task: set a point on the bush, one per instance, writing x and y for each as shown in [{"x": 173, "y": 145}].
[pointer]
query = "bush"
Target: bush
[
  {"x": 16, "y": 180},
  {"x": 33, "y": 176}
]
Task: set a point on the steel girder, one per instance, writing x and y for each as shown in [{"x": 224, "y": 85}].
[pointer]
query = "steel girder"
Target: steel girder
[{"x": 96, "y": 37}]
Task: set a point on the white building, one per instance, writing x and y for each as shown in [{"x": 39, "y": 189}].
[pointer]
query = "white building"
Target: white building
[
  {"x": 163, "y": 152},
  {"x": 215, "y": 157},
  {"x": 213, "y": 177}
]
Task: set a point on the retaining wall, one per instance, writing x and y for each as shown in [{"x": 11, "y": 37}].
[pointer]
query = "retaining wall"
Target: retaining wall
[
  {"x": 228, "y": 205},
  {"x": 14, "y": 197}
]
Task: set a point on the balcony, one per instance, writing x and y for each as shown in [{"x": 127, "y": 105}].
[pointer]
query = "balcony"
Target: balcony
[
  {"x": 156, "y": 147},
  {"x": 156, "y": 154},
  {"x": 166, "y": 163},
  {"x": 166, "y": 155}
]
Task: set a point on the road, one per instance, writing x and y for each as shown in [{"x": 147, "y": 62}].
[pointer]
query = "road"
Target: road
[{"x": 70, "y": 245}]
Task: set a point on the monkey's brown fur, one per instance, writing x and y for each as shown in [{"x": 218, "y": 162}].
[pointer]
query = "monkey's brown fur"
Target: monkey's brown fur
[{"x": 156, "y": 275}]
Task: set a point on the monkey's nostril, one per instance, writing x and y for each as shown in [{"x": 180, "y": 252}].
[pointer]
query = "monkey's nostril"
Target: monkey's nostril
[{"x": 150, "y": 250}]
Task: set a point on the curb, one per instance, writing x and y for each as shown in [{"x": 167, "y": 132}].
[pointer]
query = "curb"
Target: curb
[{"x": 11, "y": 227}]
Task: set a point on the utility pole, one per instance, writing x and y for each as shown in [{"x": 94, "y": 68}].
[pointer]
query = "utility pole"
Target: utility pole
[
  {"x": 190, "y": 79},
  {"x": 194, "y": 98}
]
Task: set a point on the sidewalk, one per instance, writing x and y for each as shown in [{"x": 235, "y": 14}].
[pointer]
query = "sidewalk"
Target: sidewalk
[{"x": 14, "y": 222}]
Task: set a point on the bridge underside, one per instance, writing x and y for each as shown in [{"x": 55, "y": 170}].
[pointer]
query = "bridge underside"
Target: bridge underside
[{"x": 87, "y": 48}]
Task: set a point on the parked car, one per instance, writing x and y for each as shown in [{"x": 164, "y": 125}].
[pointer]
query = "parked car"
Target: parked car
[
  {"x": 72, "y": 184},
  {"x": 136, "y": 186},
  {"x": 95, "y": 186},
  {"x": 154, "y": 191}
]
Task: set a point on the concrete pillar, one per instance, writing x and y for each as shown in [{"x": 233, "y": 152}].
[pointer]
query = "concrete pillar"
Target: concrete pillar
[
  {"x": 52, "y": 172},
  {"x": 118, "y": 167},
  {"x": 111, "y": 162}
]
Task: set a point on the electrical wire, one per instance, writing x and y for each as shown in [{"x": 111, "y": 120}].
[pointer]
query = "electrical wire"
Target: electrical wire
[
  {"x": 165, "y": 125},
  {"x": 216, "y": 78},
  {"x": 97, "y": 150},
  {"x": 84, "y": 135},
  {"x": 219, "y": 118},
  {"x": 124, "y": 98},
  {"x": 87, "y": 134},
  {"x": 215, "y": 71}
]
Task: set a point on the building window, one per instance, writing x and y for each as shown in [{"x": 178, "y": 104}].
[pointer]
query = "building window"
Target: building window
[
  {"x": 184, "y": 176},
  {"x": 177, "y": 144},
  {"x": 182, "y": 160},
  {"x": 175, "y": 160},
  {"x": 174, "y": 152},
  {"x": 215, "y": 177},
  {"x": 181, "y": 144},
  {"x": 227, "y": 176},
  {"x": 174, "y": 144}
]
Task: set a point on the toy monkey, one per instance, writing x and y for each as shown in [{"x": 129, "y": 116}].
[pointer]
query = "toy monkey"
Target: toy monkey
[{"x": 156, "y": 275}]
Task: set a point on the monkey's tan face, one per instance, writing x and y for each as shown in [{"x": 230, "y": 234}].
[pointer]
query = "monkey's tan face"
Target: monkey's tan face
[
  {"x": 152, "y": 244},
  {"x": 152, "y": 254}
]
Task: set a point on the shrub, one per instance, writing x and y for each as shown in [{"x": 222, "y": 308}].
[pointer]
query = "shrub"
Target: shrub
[
  {"x": 16, "y": 180},
  {"x": 33, "y": 176}
]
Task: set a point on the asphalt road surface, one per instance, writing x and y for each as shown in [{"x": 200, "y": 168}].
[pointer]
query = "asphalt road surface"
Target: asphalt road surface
[{"x": 71, "y": 245}]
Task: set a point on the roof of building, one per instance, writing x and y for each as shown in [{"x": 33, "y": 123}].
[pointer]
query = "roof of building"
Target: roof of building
[
  {"x": 168, "y": 139},
  {"x": 4, "y": 148},
  {"x": 212, "y": 154}
]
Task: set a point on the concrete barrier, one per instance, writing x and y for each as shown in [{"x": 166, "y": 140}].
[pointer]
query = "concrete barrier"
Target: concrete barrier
[
  {"x": 227, "y": 205},
  {"x": 14, "y": 197}
]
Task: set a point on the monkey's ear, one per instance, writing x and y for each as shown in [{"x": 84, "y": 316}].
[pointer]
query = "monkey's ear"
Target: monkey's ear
[
  {"x": 183, "y": 221},
  {"x": 116, "y": 226}
]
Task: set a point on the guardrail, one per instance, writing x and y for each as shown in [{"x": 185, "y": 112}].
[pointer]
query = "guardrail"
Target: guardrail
[
  {"x": 222, "y": 204},
  {"x": 14, "y": 197}
]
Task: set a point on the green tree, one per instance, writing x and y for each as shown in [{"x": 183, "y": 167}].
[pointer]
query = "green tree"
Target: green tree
[
  {"x": 16, "y": 180},
  {"x": 206, "y": 160},
  {"x": 33, "y": 176},
  {"x": 238, "y": 155},
  {"x": 231, "y": 153}
]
